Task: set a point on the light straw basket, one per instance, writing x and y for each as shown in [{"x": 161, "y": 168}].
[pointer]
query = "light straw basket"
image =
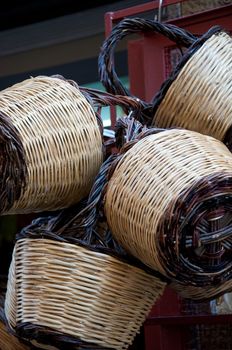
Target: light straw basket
[
  {"x": 74, "y": 286},
  {"x": 58, "y": 148},
  {"x": 52, "y": 145},
  {"x": 169, "y": 204},
  {"x": 197, "y": 95}
]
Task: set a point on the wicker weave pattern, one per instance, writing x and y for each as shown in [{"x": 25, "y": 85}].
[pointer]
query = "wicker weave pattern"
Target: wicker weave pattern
[
  {"x": 196, "y": 293},
  {"x": 61, "y": 138},
  {"x": 79, "y": 292},
  {"x": 142, "y": 200},
  {"x": 200, "y": 97}
]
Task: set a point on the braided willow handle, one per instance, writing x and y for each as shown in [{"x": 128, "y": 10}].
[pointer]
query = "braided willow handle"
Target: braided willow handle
[
  {"x": 128, "y": 26},
  {"x": 102, "y": 99}
]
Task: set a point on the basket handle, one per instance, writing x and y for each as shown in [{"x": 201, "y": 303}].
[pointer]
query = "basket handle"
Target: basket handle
[
  {"x": 98, "y": 98},
  {"x": 130, "y": 105},
  {"x": 128, "y": 26}
]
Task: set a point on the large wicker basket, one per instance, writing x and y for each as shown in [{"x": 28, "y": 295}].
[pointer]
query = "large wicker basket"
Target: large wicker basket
[
  {"x": 51, "y": 143},
  {"x": 71, "y": 285},
  {"x": 169, "y": 204},
  {"x": 197, "y": 95}
]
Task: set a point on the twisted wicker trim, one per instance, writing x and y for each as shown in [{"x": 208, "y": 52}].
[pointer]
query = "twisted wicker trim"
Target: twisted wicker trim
[
  {"x": 47, "y": 336},
  {"x": 182, "y": 227},
  {"x": 12, "y": 164},
  {"x": 100, "y": 99}
]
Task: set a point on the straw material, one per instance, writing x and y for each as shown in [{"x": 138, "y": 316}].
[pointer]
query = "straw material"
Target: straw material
[
  {"x": 78, "y": 292},
  {"x": 168, "y": 203},
  {"x": 200, "y": 97},
  {"x": 61, "y": 140}
]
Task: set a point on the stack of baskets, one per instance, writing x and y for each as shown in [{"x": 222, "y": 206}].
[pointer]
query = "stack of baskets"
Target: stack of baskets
[
  {"x": 157, "y": 212},
  {"x": 169, "y": 199},
  {"x": 69, "y": 284}
]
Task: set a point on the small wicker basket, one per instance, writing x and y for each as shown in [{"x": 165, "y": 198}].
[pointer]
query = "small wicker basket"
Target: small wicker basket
[
  {"x": 51, "y": 143},
  {"x": 71, "y": 284},
  {"x": 169, "y": 204},
  {"x": 197, "y": 95}
]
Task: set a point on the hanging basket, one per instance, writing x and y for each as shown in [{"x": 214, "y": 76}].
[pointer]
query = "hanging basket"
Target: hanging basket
[
  {"x": 197, "y": 95},
  {"x": 51, "y": 143},
  {"x": 70, "y": 284},
  {"x": 169, "y": 204}
]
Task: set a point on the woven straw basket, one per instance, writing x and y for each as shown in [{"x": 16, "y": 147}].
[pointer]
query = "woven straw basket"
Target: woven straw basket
[
  {"x": 197, "y": 95},
  {"x": 74, "y": 286},
  {"x": 51, "y": 143},
  {"x": 169, "y": 204}
]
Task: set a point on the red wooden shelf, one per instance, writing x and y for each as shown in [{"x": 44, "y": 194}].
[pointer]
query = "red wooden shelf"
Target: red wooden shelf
[{"x": 188, "y": 320}]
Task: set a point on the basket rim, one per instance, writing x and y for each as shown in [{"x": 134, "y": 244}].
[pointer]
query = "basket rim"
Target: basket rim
[
  {"x": 125, "y": 258},
  {"x": 192, "y": 50},
  {"x": 46, "y": 335}
]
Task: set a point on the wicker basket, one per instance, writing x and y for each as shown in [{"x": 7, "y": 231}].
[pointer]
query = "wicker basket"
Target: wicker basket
[
  {"x": 54, "y": 150},
  {"x": 70, "y": 284},
  {"x": 169, "y": 204},
  {"x": 197, "y": 95},
  {"x": 52, "y": 143}
]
